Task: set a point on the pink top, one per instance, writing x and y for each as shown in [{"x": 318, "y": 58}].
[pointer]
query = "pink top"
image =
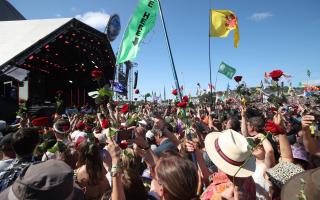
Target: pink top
[{"x": 220, "y": 181}]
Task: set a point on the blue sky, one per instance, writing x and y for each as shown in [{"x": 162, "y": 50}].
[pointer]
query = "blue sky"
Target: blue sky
[{"x": 274, "y": 34}]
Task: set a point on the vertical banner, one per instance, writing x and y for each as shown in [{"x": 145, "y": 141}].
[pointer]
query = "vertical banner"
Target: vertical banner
[{"x": 139, "y": 26}]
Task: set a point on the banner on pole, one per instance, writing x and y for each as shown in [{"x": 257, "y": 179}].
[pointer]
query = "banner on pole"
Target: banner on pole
[
  {"x": 139, "y": 26},
  {"x": 222, "y": 22},
  {"x": 227, "y": 70}
]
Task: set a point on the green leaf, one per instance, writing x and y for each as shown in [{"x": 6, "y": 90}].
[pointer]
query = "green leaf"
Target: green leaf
[
  {"x": 59, "y": 146},
  {"x": 112, "y": 132},
  {"x": 109, "y": 93},
  {"x": 102, "y": 92}
]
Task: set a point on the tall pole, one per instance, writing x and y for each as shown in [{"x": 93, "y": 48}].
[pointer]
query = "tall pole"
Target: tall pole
[
  {"x": 189, "y": 136},
  {"x": 170, "y": 53},
  {"x": 210, "y": 73}
]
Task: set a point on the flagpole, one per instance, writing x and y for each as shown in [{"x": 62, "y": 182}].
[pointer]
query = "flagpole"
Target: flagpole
[
  {"x": 173, "y": 68},
  {"x": 210, "y": 73},
  {"x": 193, "y": 155}
]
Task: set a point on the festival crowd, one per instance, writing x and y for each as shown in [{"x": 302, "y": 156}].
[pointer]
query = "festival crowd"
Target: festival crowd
[{"x": 242, "y": 148}]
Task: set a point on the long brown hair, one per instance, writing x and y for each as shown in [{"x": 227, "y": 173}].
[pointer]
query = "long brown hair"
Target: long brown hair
[
  {"x": 178, "y": 176},
  {"x": 91, "y": 157}
]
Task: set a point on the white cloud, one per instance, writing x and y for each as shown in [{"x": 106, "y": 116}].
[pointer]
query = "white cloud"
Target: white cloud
[
  {"x": 97, "y": 19},
  {"x": 261, "y": 16}
]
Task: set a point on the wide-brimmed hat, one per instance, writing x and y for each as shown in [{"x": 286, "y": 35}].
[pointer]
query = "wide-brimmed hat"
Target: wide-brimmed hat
[
  {"x": 310, "y": 187},
  {"x": 52, "y": 179},
  {"x": 62, "y": 126},
  {"x": 282, "y": 172},
  {"x": 229, "y": 150}
]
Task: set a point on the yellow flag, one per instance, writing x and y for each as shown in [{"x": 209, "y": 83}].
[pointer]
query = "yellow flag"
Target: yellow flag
[{"x": 222, "y": 22}]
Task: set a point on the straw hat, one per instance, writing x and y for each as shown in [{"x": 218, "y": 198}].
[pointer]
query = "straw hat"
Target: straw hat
[{"x": 229, "y": 150}]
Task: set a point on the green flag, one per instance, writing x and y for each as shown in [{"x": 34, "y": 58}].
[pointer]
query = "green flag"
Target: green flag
[
  {"x": 227, "y": 70},
  {"x": 139, "y": 26}
]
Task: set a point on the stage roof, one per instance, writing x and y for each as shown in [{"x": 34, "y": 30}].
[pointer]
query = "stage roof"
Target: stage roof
[
  {"x": 54, "y": 45},
  {"x": 17, "y": 36}
]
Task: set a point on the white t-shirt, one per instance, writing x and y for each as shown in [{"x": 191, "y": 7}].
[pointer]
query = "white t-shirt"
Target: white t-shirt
[
  {"x": 76, "y": 134},
  {"x": 262, "y": 185}
]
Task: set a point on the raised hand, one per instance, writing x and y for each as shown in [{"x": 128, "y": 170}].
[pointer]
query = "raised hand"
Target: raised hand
[{"x": 307, "y": 120}]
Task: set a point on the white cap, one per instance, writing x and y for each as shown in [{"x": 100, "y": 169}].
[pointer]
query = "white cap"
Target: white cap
[{"x": 149, "y": 134}]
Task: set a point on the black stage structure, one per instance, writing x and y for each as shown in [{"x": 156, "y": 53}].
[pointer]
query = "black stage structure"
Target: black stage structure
[{"x": 61, "y": 60}]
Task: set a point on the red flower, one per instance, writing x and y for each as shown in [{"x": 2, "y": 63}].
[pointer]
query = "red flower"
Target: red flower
[
  {"x": 104, "y": 123},
  {"x": 273, "y": 109},
  {"x": 123, "y": 144},
  {"x": 137, "y": 91},
  {"x": 185, "y": 98},
  {"x": 59, "y": 92},
  {"x": 276, "y": 74},
  {"x": 273, "y": 128},
  {"x": 41, "y": 121},
  {"x": 238, "y": 78},
  {"x": 80, "y": 126},
  {"x": 174, "y": 110},
  {"x": 182, "y": 104},
  {"x": 175, "y": 92},
  {"x": 88, "y": 128},
  {"x": 79, "y": 141},
  {"x": 125, "y": 108},
  {"x": 115, "y": 103},
  {"x": 96, "y": 74}
]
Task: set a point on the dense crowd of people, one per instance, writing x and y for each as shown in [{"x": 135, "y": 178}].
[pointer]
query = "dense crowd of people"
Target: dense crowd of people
[{"x": 173, "y": 151}]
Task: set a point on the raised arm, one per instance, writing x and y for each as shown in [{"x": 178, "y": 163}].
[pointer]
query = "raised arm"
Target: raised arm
[
  {"x": 309, "y": 143},
  {"x": 116, "y": 171},
  {"x": 244, "y": 128},
  {"x": 191, "y": 147},
  {"x": 285, "y": 148},
  {"x": 210, "y": 124},
  {"x": 269, "y": 159}
]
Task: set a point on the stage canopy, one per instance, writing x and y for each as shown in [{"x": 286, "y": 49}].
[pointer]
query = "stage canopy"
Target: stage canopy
[{"x": 53, "y": 46}]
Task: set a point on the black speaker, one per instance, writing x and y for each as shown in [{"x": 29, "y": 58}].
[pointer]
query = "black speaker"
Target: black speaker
[{"x": 135, "y": 80}]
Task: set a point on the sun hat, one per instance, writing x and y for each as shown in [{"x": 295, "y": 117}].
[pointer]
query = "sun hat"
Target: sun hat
[
  {"x": 229, "y": 150},
  {"x": 282, "y": 172},
  {"x": 62, "y": 126},
  {"x": 291, "y": 190},
  {"x": 52, "y": 179}
]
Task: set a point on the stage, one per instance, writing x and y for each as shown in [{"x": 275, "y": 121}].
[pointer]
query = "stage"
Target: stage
[{"x": 40, "y": 57}]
